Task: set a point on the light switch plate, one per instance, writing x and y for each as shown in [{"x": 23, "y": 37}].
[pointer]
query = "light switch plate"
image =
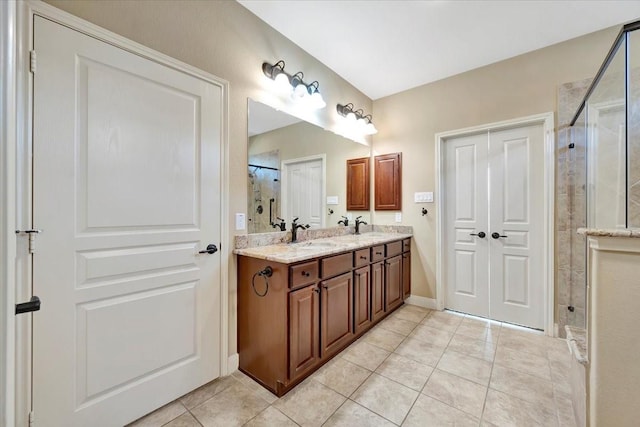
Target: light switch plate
[
  {"x": 240, "y": 221},
  {"x": 398, "y": 216},
  {"x": 429, "y": 197},
  {"x": 423, "y": 197},
  {"x": 332, "y": 200}
]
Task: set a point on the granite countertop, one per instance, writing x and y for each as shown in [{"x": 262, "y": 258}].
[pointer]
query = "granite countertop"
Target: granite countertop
[
  {"x": 609, "y": 232},
  {"x": 288, "y": 253}
]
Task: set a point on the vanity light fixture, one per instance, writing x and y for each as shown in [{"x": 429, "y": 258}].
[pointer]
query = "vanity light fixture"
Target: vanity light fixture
[
  {"x": 360, "y": 120},
  {"x": 301, "y": 92}
]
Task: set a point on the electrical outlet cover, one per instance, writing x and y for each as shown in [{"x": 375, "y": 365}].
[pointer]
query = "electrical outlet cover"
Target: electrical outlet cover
[
  {"x": 398, "y": 216},
  {"x": 240, "y": 221}
]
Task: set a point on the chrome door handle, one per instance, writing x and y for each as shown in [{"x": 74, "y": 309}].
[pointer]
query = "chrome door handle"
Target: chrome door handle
[
  {"x": 211, "y": 249},
  {"x": 497, "y": 235},
  {"x": 481, "y": 234}
]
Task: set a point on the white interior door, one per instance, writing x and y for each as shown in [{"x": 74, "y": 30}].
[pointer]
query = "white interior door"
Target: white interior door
[
  {"x": 127, "y": 191},
  {"x": 494, "y": 184},
  {"x": 516, "y": 213},
  {"x": 303, "y": 191},
  {"x": 467, "y": 271}
]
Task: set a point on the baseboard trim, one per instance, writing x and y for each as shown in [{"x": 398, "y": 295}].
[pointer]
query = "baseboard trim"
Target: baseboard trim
[
  {"x": 233, "y": 362},
  {"x": 425, "y": 302}
]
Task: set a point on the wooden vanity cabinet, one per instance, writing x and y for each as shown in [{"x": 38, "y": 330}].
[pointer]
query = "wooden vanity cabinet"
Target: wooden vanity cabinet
[
  {"x": 406, "y": 268},
  {"x": 362, "y": 298},
  {"x": 304, "y": 331},
  {"x": 388, "y": 182},
  {"x": 305, "y": 313},
  {"x": 393, "y": 282},
  {"x": 337, "y": 313},
  {"x": 358, "y": 184},
  {"x": 377, "y": 290}
]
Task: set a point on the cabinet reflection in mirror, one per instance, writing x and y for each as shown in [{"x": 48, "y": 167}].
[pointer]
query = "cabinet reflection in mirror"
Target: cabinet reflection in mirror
[{"x": 295, "y": 168}]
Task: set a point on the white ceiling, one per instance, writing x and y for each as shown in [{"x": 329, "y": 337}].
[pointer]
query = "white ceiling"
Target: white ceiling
[{"x": 385, "y": 47}]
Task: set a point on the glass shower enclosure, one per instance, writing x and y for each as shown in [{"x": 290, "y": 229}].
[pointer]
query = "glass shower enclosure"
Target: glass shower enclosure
[{"x": 609, "y": 120}]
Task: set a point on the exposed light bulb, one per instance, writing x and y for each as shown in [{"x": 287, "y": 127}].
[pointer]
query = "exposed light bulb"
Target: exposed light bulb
[
  {"x": 361, "y": 123},
  {"x": 300, "y": 92},
  {"x": 317, "y": 101},
  {"x": 370, "y": 129},
  {"x": 351, "y": 116},
  {"x": 282, "y": 83}
]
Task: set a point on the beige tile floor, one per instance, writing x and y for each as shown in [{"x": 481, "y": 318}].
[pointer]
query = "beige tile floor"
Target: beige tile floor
[{"x": 416, "y": 368}]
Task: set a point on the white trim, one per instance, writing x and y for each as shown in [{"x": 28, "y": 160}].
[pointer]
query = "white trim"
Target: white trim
[
  {"x": 285, "y": 185},
  {"x": 425, "y": 302},
  {"x": 8, "y": 84},
  {"x": 233, "y": 363},
  {"x": 547, "y": 121},
  {"x": 22, "y": 177}
]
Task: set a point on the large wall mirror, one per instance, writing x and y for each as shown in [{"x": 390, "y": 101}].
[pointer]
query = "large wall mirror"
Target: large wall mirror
[{"x": 296, "y": 169}]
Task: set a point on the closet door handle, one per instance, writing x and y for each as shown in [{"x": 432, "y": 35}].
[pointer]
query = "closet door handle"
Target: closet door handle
[
  {"x": 481, "y": 234},
  {"x": 497, "y": 235}
]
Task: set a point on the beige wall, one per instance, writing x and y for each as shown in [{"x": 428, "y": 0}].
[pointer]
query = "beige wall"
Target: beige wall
[
  {"x": 226, "y": 40},
  {"x": 517, "y": 87}
]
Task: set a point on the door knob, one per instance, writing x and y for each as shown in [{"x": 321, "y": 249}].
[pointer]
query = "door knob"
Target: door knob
[
  {"x": 497, "y": 235},
  {"x": 481, "y": 234},
  {"x": 211, "y": 249}
]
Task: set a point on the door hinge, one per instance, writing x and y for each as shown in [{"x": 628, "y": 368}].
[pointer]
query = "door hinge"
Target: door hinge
[
  {"x": 32, "y": 61},
  {"x": 31, "y": 419},
  {"x": 32, "y": 238}
]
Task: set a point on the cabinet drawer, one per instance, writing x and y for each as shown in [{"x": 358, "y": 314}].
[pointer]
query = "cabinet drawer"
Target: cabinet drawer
[
  {"x": 377, "y": 253},
  {"x": 406, "y": 245},
  {"x": 303, "y": 274},
  {"x": 335, "y": 265},
  {"x": 361, "y": 257},
  {"x": 394, "y": 248}
]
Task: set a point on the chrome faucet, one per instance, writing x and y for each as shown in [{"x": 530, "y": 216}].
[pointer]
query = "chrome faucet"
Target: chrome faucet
[
  {"x": 344, "y": 221},
  {"x": 294, "y": 229},
  {"x": 282, "y": 225},
  {"x": 358, "y": 222}
]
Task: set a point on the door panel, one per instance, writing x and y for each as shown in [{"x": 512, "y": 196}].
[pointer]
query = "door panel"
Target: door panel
[
  {"x": 302, "y": 191},
  {"x": 304, "y": 331},
  {"x": 467, "y": 258},
  {"x": 126, "y": 167},
  {"x": 337, "y": 313},
  {"x": 377, "y": 289},
  {"x": 517, "y": 197},
  {"x": 362, "y": 298},
  {"x": 393, "y": 282}
]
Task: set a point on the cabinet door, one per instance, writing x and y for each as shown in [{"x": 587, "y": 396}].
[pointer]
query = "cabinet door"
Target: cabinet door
[
  {"x": 388, "y": 182},
  {"x": 377, "y": 289},
  {"x": 337, "y": 313},
  {"x": 358, "y": 184},
  {"x": 393, "y": 281},
  {"x": 362, "y": 298},
  {"x": 406, "y": 274},
  {"x": 304, "y": 331}
]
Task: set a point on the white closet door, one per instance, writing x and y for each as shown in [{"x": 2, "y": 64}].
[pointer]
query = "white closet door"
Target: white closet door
[
  {"x": 467, "y": 256},
  {"x": 516, "y": 211},
  {"x": 303, "y": 191},
  {"x": 127, "y": 190}
]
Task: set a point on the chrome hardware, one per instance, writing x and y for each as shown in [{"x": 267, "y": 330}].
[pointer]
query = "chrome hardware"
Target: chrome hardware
[
  {"x": 481, "y": 234},
  {"x": 497, "y": 235}
]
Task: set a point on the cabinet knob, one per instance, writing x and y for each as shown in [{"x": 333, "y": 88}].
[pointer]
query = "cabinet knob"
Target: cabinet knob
[
  {"x": 378, "y": 253},
  {"x": 306, "y": 274},
  {"x": 363, "y": 257}
]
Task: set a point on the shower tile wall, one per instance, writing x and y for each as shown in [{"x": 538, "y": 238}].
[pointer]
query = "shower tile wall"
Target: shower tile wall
[
  {"x": 263, "y": 185},
  {"x": 570, "y": 209}
]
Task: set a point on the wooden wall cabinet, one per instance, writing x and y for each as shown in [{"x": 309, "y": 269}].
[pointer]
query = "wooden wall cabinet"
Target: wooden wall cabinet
[
  {"x": 388, "y": 182},
  {"x": 358, "y": 189},
  {"x": 312, "y": 309}
]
